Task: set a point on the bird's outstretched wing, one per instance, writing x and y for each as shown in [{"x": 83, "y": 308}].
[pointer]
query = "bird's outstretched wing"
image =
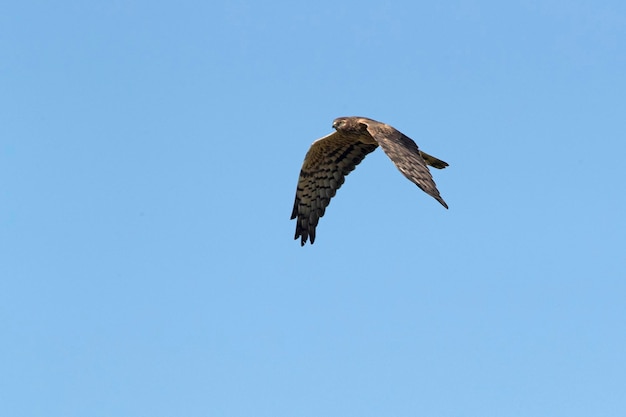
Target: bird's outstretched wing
[
  {"x": 407, "y": 157},
  {"x": 325, "y": 166}
]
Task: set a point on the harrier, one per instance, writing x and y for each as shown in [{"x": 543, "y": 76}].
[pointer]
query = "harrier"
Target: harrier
[{"x": 333, "y": 157}]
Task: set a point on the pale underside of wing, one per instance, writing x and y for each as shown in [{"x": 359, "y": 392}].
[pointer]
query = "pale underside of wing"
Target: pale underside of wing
[
  {"x": 323, "y": 172},
  {"x": 407, "y": 157}
]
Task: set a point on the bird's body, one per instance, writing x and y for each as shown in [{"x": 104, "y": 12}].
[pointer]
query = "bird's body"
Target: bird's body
[{"x": 332, "y": 157}]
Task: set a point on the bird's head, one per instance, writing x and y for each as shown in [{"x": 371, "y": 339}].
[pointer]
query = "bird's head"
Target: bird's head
[
  {"x": 348, "y": 124},
  {"x": 339, "y": 122}
]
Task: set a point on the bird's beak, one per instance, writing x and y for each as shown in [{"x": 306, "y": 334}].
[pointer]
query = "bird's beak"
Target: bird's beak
[{"x": 335, "y": 125}]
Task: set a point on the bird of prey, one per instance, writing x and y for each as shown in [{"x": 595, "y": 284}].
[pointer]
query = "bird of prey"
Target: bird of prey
[{"x": 333, "y": 157}]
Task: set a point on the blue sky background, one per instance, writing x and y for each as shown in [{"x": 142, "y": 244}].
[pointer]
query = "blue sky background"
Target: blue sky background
[{"x": 149, "y": 153}]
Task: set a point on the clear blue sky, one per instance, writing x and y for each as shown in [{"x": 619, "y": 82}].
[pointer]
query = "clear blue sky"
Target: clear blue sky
[{"x": 149, "y": 153}]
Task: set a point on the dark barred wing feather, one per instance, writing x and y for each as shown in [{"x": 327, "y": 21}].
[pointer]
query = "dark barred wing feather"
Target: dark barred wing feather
[
  {"x": 407, "y": 157},
  {"x": 323, "y": 172}
]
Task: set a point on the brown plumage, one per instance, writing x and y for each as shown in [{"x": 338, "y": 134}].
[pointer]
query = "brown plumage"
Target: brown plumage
[{"x": 333, "y": 157}]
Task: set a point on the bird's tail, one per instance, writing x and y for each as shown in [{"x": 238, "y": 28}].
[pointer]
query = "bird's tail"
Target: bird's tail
[{"x": 432, "y": 161}]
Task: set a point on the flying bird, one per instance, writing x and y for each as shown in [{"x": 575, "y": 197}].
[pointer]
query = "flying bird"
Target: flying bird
[{"x": 332, "y": 157}]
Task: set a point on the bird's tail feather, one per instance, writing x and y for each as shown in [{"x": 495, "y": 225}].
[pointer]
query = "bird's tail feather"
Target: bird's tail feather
[{"x": 432, "y": 161}]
